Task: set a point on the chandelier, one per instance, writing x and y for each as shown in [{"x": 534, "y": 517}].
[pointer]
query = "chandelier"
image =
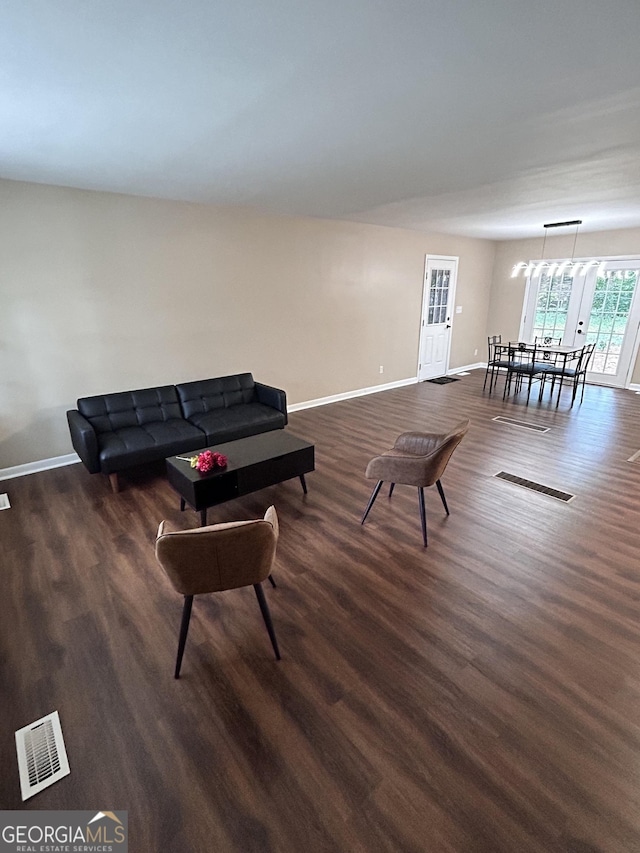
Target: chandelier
[{"x": 567, "y": 266}]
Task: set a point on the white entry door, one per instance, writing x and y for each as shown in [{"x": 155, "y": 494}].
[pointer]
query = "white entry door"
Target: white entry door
[{"x": 437, "y": 310}]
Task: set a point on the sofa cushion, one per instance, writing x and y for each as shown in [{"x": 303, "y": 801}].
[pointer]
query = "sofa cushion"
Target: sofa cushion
[
  {"x": 211, "y": 395},
  {"x": 135, "y": 445},
  {"x": 237, "y": 422},
  {"x": 109, "y": 412}
]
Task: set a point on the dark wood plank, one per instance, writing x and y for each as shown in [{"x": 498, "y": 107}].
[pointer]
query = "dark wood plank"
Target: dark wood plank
[{"x": 478, "y": 695}]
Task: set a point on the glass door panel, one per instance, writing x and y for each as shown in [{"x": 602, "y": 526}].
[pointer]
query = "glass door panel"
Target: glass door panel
[
  {"x": 609, "y": 318},
  {"x": 438, "y": 296},
  {"x": 552, "y": 307}
]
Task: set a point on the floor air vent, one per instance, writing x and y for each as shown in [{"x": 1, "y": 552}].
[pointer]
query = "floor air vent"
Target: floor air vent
[
  {"x": 535, "y": 487},
  {"x": 42, "y": 757},
  {"x": 521, "y": 424}
]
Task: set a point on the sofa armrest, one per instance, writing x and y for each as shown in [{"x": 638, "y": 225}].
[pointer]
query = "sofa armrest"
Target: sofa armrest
[
  {"x": 84, "y": 440},
  {"x": 273, "y": 397}
]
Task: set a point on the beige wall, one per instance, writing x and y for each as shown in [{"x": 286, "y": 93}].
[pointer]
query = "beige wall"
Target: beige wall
[
  {"x": 507, "y": 294},
  {"x": 104, "y": 292}
]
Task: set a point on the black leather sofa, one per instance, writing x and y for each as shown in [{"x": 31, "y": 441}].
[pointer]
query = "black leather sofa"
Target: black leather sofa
[{"x": 113, "y": 432}]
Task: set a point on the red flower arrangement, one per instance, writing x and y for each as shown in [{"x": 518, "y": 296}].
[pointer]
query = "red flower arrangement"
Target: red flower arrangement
[{"x": 206, "y": 461}]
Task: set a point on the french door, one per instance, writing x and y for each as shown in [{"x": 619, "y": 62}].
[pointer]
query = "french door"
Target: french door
[
  {"x": 600, "y": 306},
  {"x": 437, "y": 305}
]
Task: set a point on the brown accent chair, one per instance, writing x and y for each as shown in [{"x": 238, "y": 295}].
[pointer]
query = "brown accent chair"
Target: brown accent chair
[
  {"x": 416, "y": 459},
  {"x": 216, "y": 558}
]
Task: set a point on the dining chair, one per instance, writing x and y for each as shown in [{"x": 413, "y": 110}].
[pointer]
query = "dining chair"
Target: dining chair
[
  {"x": 569, "y": 366},
  {"x": 416, "y": 459},
  {"x": 578, "y": 374},
  {"x": 498, "y": 359},
  {"x": 523, "y": 365},
  {"x": 556, "y": 366},
  {"x": 551, "y": 364},
  {"x": 216, "y": 558}
]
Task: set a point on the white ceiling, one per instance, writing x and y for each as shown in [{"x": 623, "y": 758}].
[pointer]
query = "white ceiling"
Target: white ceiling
[{"x": 485, "y": 118}]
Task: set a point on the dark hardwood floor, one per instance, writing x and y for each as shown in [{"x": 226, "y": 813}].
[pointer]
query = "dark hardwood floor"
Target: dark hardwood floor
[{"x": 478, "y": 695}]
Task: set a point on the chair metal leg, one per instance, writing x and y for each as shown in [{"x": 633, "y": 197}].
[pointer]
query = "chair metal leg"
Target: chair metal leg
[
  {"x": 374, "y": 495},
  {"x": 264, "y": 609},
  {"x": 442, "y": 497},
  {"x": 529, "y": 388},
  {"x": 493, "y": 382},
  {"x": 488, "y": 370},
  {"x": 584, "y": 379},
  {"x": 423, "y": 514},
  {"x": 578, "y": 381},
  {"x": 507, "y": 385},
  {"x": 490, "y": 373},
  {"x": 495, "y": 376},
  {"x": 391, "y": 487},
  {"x": 184, "y": 630},
  {"x": 272, "y": 582}
]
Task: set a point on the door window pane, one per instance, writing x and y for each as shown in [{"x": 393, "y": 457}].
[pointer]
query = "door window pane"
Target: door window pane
[
  {"x": 609, "y": 317},
  {"x": 552, "y": 306},
  {"x": 438, "y": 296}
]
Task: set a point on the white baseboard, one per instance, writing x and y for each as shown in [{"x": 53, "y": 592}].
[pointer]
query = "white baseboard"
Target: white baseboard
[
  {"x": 362, "y": 392},
  {"x": 476, "y": 366},
  {"x": 349, "y": 395},
  {"x": 634, "y": 386},
  {"x": 73, "y": 458},
  {"x": 40, "y": 465}
]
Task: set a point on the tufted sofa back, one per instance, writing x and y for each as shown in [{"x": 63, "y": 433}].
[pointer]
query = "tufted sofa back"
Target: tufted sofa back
[
  {"x": 211, "y": 394},
  {"x": 109, "y": 412}
]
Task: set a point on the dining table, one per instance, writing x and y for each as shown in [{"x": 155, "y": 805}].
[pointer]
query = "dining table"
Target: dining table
[{"x": 547, "y": 360}]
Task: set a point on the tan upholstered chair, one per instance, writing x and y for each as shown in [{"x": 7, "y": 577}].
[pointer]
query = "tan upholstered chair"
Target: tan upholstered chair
[
  {"x": 416, "y": 459},
  {"x": 219, "y": 557}
]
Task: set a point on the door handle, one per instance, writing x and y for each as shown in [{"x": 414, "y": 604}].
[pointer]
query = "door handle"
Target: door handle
[{"x": 447, "y": 326}]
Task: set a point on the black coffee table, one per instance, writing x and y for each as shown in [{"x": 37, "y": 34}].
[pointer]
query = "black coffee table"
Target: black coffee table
[{"x": 252, "y": 463}]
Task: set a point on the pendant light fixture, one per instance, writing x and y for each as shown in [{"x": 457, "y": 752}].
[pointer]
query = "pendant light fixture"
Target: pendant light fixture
[{"x": 568, "y": 266}]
